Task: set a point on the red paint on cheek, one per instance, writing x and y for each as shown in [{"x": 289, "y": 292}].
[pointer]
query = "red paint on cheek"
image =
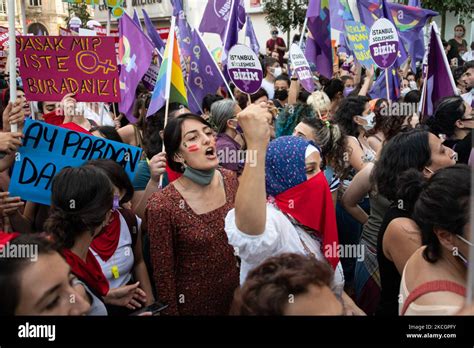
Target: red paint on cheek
[{"x": 193, "y": 148}]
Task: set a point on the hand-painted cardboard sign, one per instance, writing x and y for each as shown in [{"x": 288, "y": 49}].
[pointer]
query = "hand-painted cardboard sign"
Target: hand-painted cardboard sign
[
  {"x": 47, "y": 149},
  {"x": 53, "y": 66},
  {"x": 358, "y": 40}
]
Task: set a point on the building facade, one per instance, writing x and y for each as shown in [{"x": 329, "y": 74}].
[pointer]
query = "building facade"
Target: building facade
[{"x": 41, "y": 16}]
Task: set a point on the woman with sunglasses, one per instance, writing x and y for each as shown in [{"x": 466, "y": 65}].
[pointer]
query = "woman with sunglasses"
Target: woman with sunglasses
[{"x": 453, "y": 120}]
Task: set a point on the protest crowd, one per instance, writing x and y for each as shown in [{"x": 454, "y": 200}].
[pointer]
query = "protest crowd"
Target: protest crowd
[{"x": 309, "y": 180}]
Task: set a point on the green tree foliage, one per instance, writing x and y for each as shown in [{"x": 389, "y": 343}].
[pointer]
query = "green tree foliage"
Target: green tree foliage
[
  {"x": 78, "y": 10},
  {"x": 285, "y": 14}
]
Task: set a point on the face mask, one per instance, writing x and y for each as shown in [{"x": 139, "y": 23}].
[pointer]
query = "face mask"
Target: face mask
[
  {"x": 370, "y": 121},
  {"x": 276, "y": 72},
  {"x": 281, "y": 94},
  {"x": 347, "y": 91},
  {"x": 405, "y": 91},
  {"x": 413, "y": 85},
  {"x": 200, "y": 177}
]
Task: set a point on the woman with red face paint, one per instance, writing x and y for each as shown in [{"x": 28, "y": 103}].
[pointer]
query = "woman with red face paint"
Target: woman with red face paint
[{"x": 194, "y": 267}]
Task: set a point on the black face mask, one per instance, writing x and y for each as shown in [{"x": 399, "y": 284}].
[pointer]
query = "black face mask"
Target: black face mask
[{"x": 281, "y": 94}]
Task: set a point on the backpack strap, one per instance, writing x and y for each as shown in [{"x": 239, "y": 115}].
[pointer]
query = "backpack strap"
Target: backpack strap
[
  {"x": 132, "y": 223},
  {"x": 434, "y": 286}
]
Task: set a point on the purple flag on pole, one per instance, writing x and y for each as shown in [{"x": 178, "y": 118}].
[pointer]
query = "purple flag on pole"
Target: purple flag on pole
[
  {"x": 223, "y": 17},
  {"x": 319, "y": 51},
  {"x": 250, "y": 33},
  {"x": 135, "y": 53},
  {"x": 152, "y": 33},
  {"x": 136, "y": 19},
  {"x": 204, "y": 77},
  {"x": 410, "y": 22},
  {"x": 414, "y": 3},
  {"x": 341, "y": 13},
  {"x": 439, "y": 79},
  {"x": 183, "y": 31},
  {"x": 379, "y": 89},
  {"x": 242, "y": 16}
]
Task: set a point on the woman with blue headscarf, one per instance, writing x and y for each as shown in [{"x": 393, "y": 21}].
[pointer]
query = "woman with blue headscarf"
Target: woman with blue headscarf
[{"x": 297, "y": 217}]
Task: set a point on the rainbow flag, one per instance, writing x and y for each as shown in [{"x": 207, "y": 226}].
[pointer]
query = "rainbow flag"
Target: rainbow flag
[{"x": 170, "y": 81}]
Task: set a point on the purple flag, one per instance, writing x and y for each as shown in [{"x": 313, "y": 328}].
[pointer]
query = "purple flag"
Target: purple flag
[
  {"x": 136, "y": 19},
  {"x": 250, "y": 33},
  {"x": 222, "y": 17},
  {"x": 414, "y": 3},
  {"x": 183, "y": 31},
  {"x": 318, "y": 48},
  {"x": 242, "y": 16},
  {"x": 340, "y": 12},
  {"x": 204, "y": 76},
  {"x": 379, "y": 89},
  {"x": 135, "y": 53},
  {"x": 152, "y": 33},
  {"x": 439, "y": 82},
  {"x": 410, "y": 22}
]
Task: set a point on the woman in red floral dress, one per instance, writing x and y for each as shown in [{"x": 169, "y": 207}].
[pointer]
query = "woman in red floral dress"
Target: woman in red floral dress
[{"x": 194, "y": 267}]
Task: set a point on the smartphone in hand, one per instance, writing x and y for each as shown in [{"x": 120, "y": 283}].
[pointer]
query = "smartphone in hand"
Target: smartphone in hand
[{"x": 154, "y": 308}]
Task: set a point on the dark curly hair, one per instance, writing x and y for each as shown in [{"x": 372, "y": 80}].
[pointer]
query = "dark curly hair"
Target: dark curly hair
[
  {"x": 344, "y": 117},
  {"x": 448, "y": 111},
  {"x": 390, "y": 125},
  {"x": 266, "y": 290},
  {"x": 80, "y": 200},
  {"x": 332, "y": 142},
  {"x": 410, "y": 149},
  {"x": 443, "y": 203}
]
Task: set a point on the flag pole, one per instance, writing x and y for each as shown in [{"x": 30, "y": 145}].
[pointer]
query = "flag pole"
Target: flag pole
[
  {"x": 386, "y": 86},
  {"x": 168, "y": 82},
  {"x": 218, "y": 69},
  {"x": 12, "y": 55},
  {"x": 305, "y": 25},
  {"x": 187, "y": 85}
]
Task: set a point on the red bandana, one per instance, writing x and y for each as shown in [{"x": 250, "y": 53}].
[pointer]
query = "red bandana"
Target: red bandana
[
  {"x": 310, "y": 203},
  {"x": 6, "y": 237},
  {"x": 53, "y": 118},
  {"x": 89, "y": 272},
  {"x": 106, "y": 243}
]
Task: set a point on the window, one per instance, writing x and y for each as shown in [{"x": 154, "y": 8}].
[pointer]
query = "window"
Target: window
[
  {"x": 35, "y": 2},
  {"x": 3, "y": 6}
]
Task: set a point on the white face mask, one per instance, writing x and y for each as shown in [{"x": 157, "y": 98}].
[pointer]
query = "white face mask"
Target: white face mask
[
  {"x": 405, "y": 91},
  {"x": 370, "y": 121},
  {"x": 413, "y": 85},
  {"x": 276, "y": 72}
]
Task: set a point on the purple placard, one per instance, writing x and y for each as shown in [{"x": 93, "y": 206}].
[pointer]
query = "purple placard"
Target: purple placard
[
  {"x": 383, "y": 43},
  {"x": 301, "y": 68},
  {"x": 244, "y": 69},
  {"x": 150, "y": 77}
]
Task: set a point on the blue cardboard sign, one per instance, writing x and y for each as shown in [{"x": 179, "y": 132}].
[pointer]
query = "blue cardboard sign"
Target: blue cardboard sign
[{"x": 47, "y": 149}]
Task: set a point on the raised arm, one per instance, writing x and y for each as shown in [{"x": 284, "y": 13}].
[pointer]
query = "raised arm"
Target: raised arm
[
  {"x": 251, "y": 199},
  {"x": 357, "y": 190},
  {"x": 369, "y": 80}
]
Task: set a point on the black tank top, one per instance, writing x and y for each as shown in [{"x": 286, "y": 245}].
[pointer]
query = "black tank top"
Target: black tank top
[{"x": 389, "y": 277}]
